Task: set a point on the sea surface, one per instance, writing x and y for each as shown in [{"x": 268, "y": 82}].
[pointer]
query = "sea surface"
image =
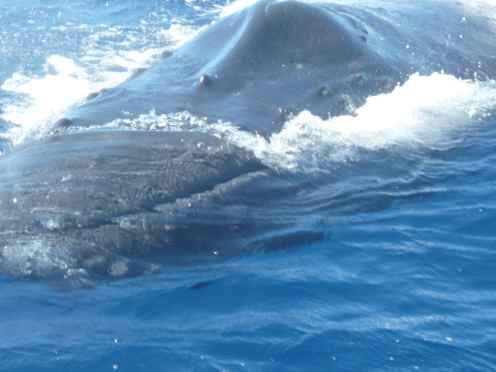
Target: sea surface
[{"x": 382, "y": 259}]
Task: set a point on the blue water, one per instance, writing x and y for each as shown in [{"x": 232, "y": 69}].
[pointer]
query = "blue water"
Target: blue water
[{"x": 384, "y": 263}]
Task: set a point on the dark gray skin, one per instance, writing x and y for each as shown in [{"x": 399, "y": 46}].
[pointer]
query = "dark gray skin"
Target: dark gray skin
[
  {"x": 254, "y": 68},
  {"x": 91, "y": 199},
  {"x": 115, "y": 203},
  {"x": 273, "y": 59}
]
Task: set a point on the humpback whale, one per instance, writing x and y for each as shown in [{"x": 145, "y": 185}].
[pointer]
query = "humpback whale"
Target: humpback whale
[{"x": 114, "y": 203}]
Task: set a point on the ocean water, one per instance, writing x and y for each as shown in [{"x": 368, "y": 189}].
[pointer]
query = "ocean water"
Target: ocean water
[{"x": 378, "y": 253}]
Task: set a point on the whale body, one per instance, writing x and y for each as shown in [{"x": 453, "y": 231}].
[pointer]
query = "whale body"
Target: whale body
[
  {"x": 277, "y": 58},
  {"x": 113, "y": 203},
  {"x": 86, "y": 199},
  {"x": 255, "y": 68}
]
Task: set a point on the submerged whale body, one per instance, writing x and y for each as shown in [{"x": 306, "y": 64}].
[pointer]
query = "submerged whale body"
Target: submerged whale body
[
  {"x": 115, "y": 203},
  {"x": 85, "y": 198}
]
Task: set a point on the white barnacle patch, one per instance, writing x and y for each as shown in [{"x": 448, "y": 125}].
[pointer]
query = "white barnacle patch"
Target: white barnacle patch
[
  {"x": 119, "y": 269},
  {"x": 51, "y": 224},
  {"x": 35, "y": 258}
]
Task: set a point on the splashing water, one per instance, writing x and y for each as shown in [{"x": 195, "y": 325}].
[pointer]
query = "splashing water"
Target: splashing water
[
  {"x": 425, "y": 111},
  {"x": 65, "y": 83}
]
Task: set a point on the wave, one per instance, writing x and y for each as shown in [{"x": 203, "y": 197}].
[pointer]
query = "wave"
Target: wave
[
  {"x": 42, "y": 99},
  {"x": 65, "y": 82},
  {"x": 426, "y": 111}
]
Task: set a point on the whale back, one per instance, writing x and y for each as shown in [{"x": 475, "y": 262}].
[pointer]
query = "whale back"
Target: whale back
[
  {"x": 274, "y": 35},
  {"x": 255, "y": 68}
]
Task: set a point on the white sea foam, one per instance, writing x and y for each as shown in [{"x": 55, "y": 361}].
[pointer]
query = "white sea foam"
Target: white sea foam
[
  {"x": 425, "y": 111},
  {"x": 43, "y": 98},
  {"x": 422, "y": 112}
]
